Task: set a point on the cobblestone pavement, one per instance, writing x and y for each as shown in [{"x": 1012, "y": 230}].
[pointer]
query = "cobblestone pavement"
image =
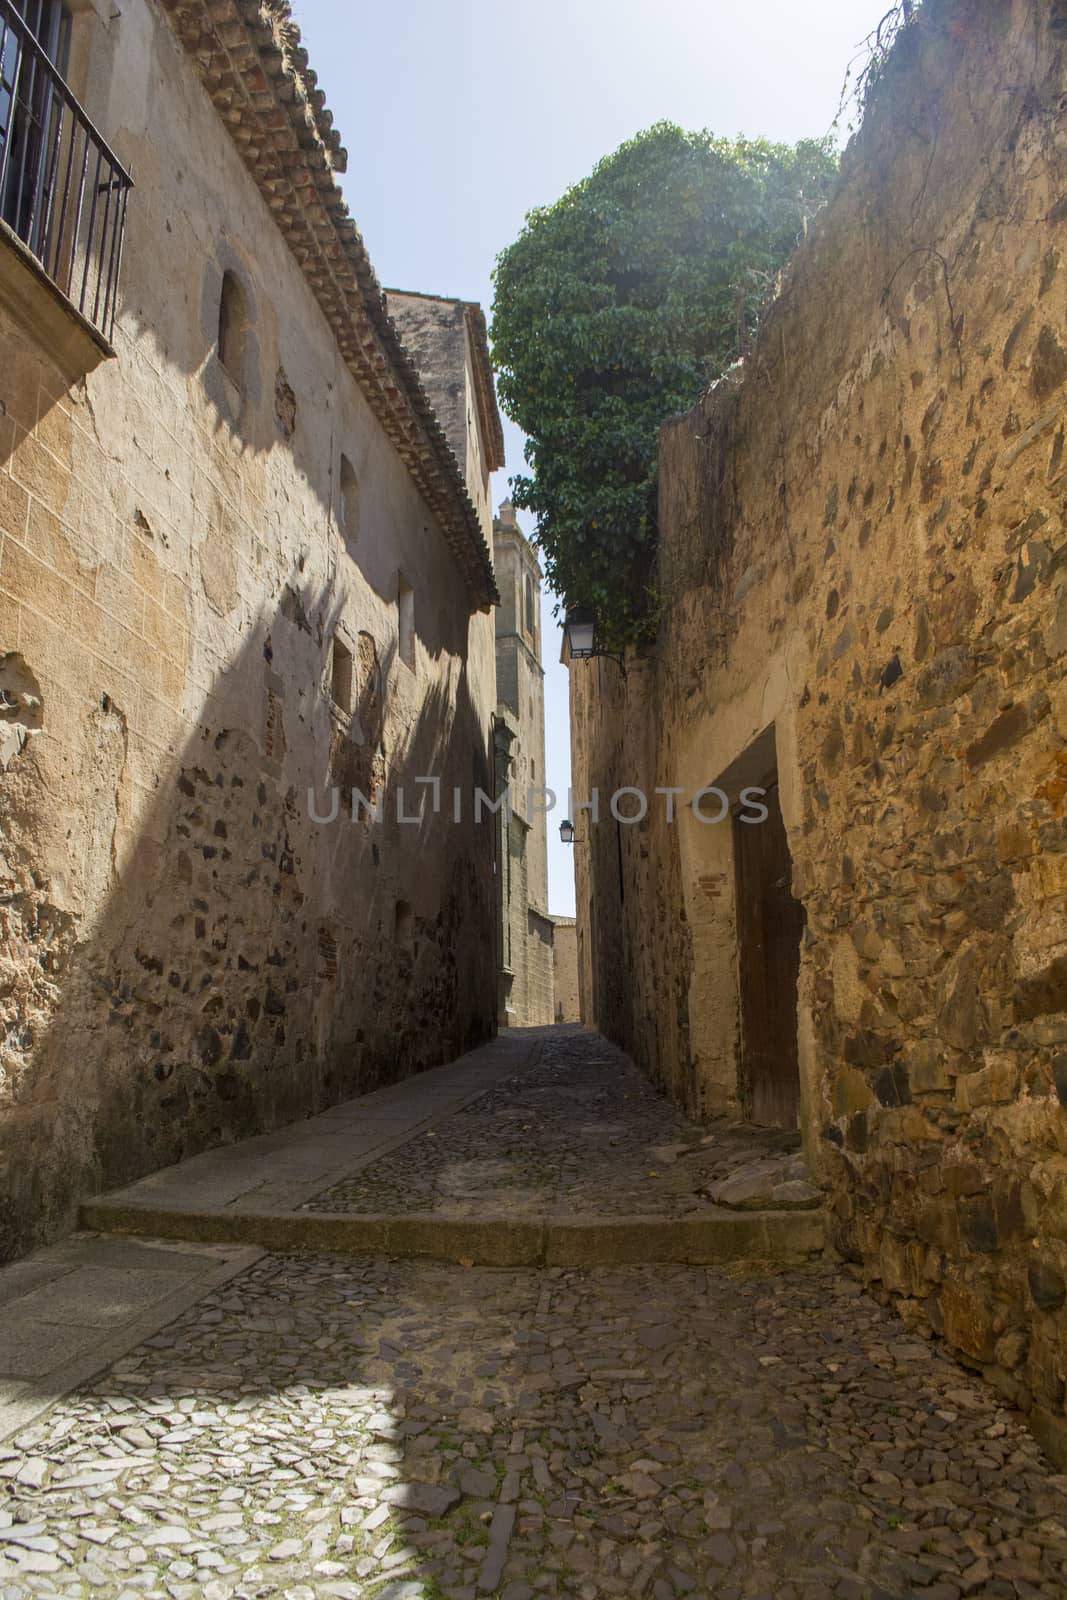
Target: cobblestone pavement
[
  {"x": 327, "y": 1427},
  {"x": 580, "y": 1130}
]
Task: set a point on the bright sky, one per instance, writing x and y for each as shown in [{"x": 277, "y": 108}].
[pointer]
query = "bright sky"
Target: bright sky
[{"x": 460, "y": 116}]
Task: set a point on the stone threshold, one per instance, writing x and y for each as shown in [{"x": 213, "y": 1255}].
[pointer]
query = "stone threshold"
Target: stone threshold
[{"x": 590, "y": 1241}]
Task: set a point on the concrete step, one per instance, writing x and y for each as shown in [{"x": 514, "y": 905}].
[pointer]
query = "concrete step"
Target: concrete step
[{"x": 712, "y": 1237}]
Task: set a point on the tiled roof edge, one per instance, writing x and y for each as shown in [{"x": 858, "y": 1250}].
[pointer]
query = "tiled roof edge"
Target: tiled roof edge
[{"x": 250, "y": 60}]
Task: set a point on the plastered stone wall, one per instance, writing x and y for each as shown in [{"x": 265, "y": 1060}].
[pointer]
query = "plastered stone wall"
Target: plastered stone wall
[
  {"x": 863, "y": 548},
  {"x": 186, "y": 957}
]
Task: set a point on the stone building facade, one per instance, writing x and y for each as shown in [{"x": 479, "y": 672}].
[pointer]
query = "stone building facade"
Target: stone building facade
[
  {"x": 565, "y": 970},
  {"x": 864, "y": 570},
  {"x": 239, "y": 569},
  {"x": 447, "y": 340},
  {"x": 525, "y": 990}
]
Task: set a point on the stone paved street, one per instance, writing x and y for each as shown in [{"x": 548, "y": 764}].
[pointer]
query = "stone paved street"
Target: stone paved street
[
  {"x": 579, "y": 1129},
  {"x": 328, "y": 1427}
]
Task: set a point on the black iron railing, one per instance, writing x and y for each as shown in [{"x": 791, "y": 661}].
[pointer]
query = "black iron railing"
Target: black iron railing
[{"x": 63, "y": 191}]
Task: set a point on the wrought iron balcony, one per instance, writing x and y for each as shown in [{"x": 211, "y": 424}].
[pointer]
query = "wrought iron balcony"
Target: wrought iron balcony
[{"x": 63, "y": 191}]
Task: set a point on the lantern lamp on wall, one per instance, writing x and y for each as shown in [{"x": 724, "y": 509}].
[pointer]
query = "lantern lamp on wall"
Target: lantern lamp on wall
[{"x": 579, "y": 627}]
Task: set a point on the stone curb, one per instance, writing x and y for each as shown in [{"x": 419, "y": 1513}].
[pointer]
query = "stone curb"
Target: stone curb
[{"x": 490, "y": 1241}]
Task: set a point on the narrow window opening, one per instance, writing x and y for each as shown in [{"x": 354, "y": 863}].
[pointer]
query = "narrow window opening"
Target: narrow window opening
[
  {"x": 349, "y": 507},
  {"x": 233, "y": 323},
  {"x": 404, "y": 924},
  {"x": 405, "y": 605},
  {"x": 341, "y": 676},
  {"x": 530, "y": 616}
]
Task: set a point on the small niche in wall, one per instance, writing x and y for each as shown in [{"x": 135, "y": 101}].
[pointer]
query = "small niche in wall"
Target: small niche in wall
[
  {"x": 405, "y": 628},
  {"x": 233, "y": 328},
  {"x": 284, "y": 405},
  {"x": 404, "y": 924},
  {"x": 341, "y": 676},
  {"x": 348, "y": 508}
]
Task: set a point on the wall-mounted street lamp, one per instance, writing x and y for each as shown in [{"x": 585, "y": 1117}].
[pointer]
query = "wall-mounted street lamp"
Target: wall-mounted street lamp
[
  {"x": 566, "y": 832},
  {"x": 579, "y": 626}
]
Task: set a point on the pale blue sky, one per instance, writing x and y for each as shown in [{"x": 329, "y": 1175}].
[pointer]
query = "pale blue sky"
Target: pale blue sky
[{"x": 461, "y": 115}]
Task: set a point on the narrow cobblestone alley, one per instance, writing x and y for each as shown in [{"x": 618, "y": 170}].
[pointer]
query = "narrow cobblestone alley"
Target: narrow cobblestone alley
[
  {"x": 578, "y": 1129},
  {"x": 533, "y": 800},
  {"x": 332, "y": 1426}
]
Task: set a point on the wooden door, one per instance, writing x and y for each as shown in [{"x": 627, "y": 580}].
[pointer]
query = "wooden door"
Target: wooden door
[{"x": 769, "y": 927}]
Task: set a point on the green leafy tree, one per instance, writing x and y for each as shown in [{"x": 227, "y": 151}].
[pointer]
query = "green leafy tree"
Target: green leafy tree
[{"x": 616, "y": 307}]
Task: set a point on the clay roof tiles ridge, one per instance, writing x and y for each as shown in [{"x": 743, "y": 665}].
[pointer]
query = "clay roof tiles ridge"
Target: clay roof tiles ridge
[{"x": 250, "y": 59}]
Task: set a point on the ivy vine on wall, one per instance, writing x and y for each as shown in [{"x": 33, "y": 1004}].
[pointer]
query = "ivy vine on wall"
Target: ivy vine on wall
[{"x": 615, "y": 308}]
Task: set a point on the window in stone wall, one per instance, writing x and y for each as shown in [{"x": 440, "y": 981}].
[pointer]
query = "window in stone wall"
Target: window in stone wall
[
  {"x": 233, "y": 328},
  {"x": 349, "y": 506},
  {"x": 405, "y": 606},
  {"x": 404, "y": 924},
  {"x": 341, "y": 676},
  {"x": 531, "y": 620}
]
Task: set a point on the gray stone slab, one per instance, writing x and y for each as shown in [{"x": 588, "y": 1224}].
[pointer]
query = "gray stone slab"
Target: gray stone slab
[
  {"x": 105, "y": 1296},
  {"x": 500, "y": 1531},
  {"x": 160, "y": 1255},
  {"x": 30, "y": 1348},
  {"x": 22, "y": 1277}
]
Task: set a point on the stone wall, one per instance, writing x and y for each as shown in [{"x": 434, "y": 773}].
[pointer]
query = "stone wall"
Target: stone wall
[
  {"x": 540, "y": 985},
  {"x": 448, "y": 343},
  {"x": 527, "y": 984},
  {"x": 863, "y": 550},
  {"x": 565, "y": 970},
  {"x": 198, "y": 623}
]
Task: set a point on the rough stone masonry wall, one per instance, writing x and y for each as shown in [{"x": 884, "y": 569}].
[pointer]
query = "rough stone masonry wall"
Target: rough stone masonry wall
[
  {"x": 864, "y": 544},
  {"x": 185, "y": 956}
]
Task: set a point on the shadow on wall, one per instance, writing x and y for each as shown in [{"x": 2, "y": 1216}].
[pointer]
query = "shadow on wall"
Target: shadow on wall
[
  {"x": 241, "y": 970},
  {"x": 237, "y": 360}
]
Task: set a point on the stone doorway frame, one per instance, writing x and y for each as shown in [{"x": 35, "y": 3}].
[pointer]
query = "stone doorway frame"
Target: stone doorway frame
[
  {"x": 769, "y": 933},
  {"x": 727, "y": 747}
]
